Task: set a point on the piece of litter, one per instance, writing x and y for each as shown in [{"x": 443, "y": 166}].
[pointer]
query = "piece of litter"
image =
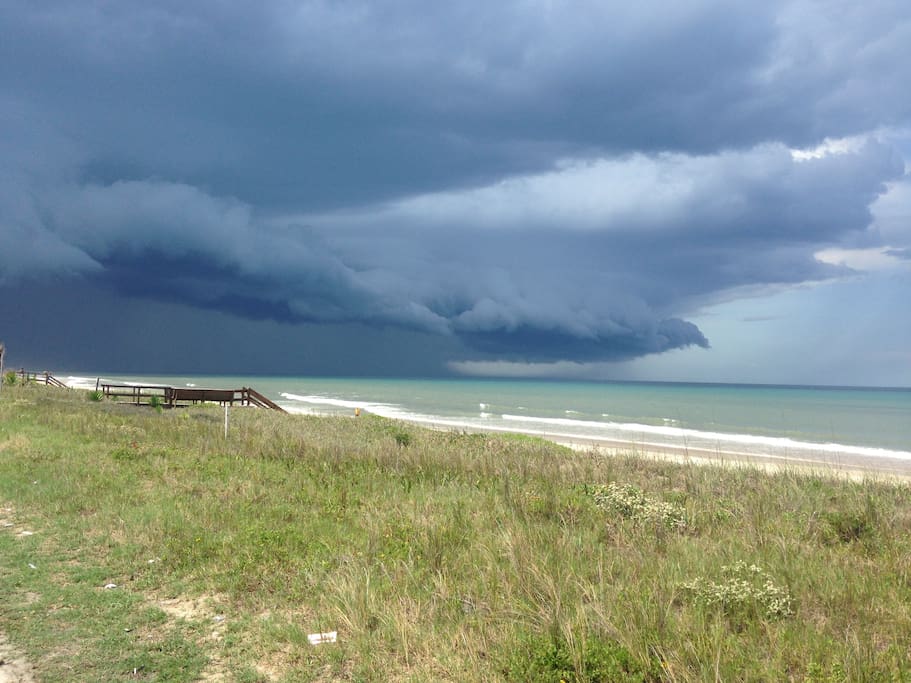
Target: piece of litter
[
  {"x": 31, "y": 566},
  {"x": 8, "y": 524},
  {"x": 26, "y": 533},
  {"x": 109, "y": 586},
  {"x": 218, "y": 617},
  {"x": 318, "y": 638}
]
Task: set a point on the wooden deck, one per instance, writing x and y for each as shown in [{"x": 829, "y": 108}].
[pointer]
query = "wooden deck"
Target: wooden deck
[
  {"x": 172, "y": 397},
  {"x": 169, "y": 397}
]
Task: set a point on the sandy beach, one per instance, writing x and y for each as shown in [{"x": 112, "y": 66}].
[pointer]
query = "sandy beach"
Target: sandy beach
[
  {"x": 822, "y": 464},
  {"x": 839, "y": 465}
]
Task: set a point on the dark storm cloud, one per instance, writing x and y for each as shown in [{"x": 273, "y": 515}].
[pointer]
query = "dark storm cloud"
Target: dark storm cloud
[
  {"x": 332, "y": 103},
  {"x": 535, "y": 181}
]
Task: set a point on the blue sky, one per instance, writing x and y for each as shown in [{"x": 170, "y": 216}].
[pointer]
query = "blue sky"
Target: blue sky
[{"x": 709, "y": 191}]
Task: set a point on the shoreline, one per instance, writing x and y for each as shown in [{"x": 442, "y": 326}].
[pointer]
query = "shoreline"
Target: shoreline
[
  {"x": 853, "y": 467},
  {"x": 823, "y": 462},
  {"x": 831, "y": 464},
  {"x": 844, "y": 465}
]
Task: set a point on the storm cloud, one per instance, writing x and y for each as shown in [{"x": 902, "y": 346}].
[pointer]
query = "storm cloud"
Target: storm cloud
[{"x": 528, "y": 181}]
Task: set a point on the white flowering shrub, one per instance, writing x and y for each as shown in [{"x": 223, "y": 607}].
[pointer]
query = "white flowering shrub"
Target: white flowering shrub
[
  {"x": 743, "y": 588},
  {"x": 631, "y": 503}
]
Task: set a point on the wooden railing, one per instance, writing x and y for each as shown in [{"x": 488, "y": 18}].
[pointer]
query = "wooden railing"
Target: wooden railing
[
  {"x": 167, "y": 396},
  {"x": 137, "y": 393},
  {"x": 254, "y": 398},
  {"x": 175, "y": 396},
  {"x": 26, "y": 376}
]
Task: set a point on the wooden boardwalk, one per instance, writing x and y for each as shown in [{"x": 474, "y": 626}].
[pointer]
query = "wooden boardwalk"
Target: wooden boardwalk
[
  {"x": 172, "y": 397},
  {"x": 26, "y": 377},
  {"x": 169, "y": 397}
]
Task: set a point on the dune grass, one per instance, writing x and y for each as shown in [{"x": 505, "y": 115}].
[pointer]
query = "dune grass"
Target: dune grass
[{"x": 434, "y": 555}]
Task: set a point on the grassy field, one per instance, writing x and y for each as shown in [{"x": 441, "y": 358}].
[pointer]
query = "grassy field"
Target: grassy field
[{"x": 434, "y": 555}]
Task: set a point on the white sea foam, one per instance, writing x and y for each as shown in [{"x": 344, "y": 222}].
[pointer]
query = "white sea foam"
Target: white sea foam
[
  {"x": 80, "y": 382},
  {"x": 327, "y": 401},
  {"x": 388, "y": 410},
  {"x": 382, "y": 409}
]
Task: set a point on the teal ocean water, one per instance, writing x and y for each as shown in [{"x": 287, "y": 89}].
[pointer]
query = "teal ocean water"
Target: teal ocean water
[{"x": 767, "y": 420}]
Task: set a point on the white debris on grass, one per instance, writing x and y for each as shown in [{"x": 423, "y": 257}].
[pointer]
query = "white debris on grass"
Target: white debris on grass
[{"x": 319, "y": 638}]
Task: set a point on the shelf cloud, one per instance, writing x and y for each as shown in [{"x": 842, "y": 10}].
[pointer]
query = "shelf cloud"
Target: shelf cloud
[{"x": 521, "y": 182}]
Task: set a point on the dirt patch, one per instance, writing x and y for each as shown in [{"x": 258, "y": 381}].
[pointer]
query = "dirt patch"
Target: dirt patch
[
  {"x": 275, "y": 664},
  {"x": 17, "y": 442},
  {"x": 213, "y": 612},
  {"x": 14, "y": 668},
  {"x": 207, "y": 608},
  {"x": 208, "y": 611}
]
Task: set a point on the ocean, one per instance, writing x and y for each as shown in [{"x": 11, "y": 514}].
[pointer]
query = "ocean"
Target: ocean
[{"x": 771, "y": 421}]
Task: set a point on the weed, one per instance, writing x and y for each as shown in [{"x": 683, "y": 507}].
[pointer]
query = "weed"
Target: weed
[
  {"x": 631, "y": 503},
  {"x": 551, "y": 659},
  {"x": 10, "y": 378},
  {"x": 816, "y": 673},
  {"x": 95, "y": 395},
  {"x": 847, "y": 527},
  {"x": 402, "y": 438},
  {"x": 743, "y": 588}
]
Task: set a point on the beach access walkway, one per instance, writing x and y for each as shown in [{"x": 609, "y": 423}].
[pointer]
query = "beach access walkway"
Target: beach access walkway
[
  {"x": 172, "y": 397},
  {"x": 44, "y": 377},
  {"x": 159, "y": 394}
]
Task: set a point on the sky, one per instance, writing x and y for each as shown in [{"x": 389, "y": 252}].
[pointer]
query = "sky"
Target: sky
[{"x": 699, "y": 191}]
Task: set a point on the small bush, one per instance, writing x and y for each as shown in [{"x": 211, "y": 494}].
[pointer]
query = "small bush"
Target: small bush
[
  {"x": 96, "y": 395},
  {"x": 631, "y": 503},
  {"x": 125, "y": 453},
  {"x": 156, "y": 403},
  {"x": 744, "y": 588},
  {"x": 402, "y": 438},
  {"x": 816, "y": 673},
  {"x": 848, "y": 527},
  {"x": 543, "y": 659},
  {"x": 10, "y": 378}
]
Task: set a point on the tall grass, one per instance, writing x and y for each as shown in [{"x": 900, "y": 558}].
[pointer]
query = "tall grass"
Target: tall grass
[{"x": 435, "y": 555}]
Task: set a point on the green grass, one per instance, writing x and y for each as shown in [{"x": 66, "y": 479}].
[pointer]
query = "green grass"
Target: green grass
[{"x": 435, "y": 555}]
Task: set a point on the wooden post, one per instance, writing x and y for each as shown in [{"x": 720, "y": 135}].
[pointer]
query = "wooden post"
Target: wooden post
[{"x": 2, "y": 378}]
